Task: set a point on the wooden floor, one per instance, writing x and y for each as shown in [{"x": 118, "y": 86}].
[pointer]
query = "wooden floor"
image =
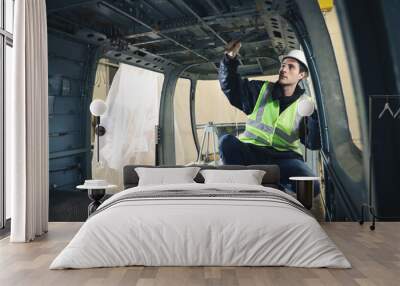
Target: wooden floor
[{"x": 374, "y": 255}]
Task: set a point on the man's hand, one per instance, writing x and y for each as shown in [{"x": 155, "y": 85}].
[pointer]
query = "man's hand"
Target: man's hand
[{"x": 232, "y": 48}]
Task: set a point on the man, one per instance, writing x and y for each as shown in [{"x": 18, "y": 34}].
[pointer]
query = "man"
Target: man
[{"x": 274, "y": 128}]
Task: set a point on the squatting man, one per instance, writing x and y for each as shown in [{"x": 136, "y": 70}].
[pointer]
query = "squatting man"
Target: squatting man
[{"x": 275, "y": 126}]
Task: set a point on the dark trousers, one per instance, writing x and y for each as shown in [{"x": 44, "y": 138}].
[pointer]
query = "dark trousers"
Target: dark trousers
[{"x": 235, "y": 152}]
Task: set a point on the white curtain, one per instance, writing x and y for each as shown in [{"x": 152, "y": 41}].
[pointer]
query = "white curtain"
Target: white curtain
[{"x": 27, "y": 124}]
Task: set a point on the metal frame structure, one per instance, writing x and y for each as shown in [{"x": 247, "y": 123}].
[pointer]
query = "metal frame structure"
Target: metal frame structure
[
  {"x": 375, "y": 71},
  {"x": 186, "y": 41},
  {"x": 182, "y": 38},
  {"x": 341, "y": 157},
  {"x": 71, "y": 81},
  {"x": 138, "y": 39}
]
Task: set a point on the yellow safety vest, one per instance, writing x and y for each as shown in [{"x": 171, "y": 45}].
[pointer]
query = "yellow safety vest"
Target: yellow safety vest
[{"x": 266, "y": 127}]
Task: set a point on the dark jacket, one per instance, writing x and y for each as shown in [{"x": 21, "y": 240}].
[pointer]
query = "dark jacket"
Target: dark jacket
[{"x": 243, "y": 94}]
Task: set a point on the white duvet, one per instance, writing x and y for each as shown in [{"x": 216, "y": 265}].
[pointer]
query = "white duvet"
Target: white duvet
[{"x": 200, "y": 231}]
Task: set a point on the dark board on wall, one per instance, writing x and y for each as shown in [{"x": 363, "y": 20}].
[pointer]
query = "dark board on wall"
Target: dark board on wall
[{"x": 384, "y": 128}]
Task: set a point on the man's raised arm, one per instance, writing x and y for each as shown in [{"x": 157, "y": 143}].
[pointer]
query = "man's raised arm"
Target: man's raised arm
[{"x": 241, "y": 93}]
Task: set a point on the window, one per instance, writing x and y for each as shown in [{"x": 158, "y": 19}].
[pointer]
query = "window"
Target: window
[
  {"x": 9, "y": 13},
  {"x": 8, "y": 72},
  {"x": 212, "y": 106},
  {"x": 6, "y": 60},
  {"x": 130, "y": 124},
  {"x": 185, "y": 148}
]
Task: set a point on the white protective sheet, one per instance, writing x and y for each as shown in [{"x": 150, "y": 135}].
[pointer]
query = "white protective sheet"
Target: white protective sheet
[
  {"x": 200, "y": 231},
  {"x": 131, "y": 117}
]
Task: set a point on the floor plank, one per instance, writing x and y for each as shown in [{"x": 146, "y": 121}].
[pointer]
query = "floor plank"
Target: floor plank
[{"x": 374, "y": 255}]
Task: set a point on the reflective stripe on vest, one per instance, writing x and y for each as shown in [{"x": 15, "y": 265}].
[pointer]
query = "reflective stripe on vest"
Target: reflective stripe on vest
[
  {"x": 255, "y": 137},
  {"x": 269, "y": 128},
  {"x": 259, "y": 125}
]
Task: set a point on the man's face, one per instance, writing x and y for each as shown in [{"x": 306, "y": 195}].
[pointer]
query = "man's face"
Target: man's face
[{"x": 289, "y": 73}]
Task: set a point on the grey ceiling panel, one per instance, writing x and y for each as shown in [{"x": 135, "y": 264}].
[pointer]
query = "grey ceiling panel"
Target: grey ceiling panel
[{"x": 158, "y": 34}]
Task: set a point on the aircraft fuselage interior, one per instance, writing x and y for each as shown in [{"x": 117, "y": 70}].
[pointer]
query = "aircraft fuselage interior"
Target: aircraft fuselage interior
[{"x": 183, "y": 39}]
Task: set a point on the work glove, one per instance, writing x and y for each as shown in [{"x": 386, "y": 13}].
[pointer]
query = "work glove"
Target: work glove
[{"x": 232, "y": 48}]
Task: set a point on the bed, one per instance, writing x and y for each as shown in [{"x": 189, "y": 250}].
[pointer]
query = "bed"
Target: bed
[{"x": 198, "y": 224}]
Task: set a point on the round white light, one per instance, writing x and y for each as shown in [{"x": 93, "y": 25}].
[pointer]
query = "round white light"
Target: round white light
[
  {"x": 98, "y": 107},
  {"x": 306, "y": 107}
]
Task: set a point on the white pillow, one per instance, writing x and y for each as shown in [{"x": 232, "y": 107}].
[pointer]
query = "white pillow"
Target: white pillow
[
  {"x": 248, "y": 177},
  {"x": 162, "y": 176}
]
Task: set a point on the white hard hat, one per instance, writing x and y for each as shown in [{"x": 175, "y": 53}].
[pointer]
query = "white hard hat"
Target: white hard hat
[{"x": 296, "y": 54}]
